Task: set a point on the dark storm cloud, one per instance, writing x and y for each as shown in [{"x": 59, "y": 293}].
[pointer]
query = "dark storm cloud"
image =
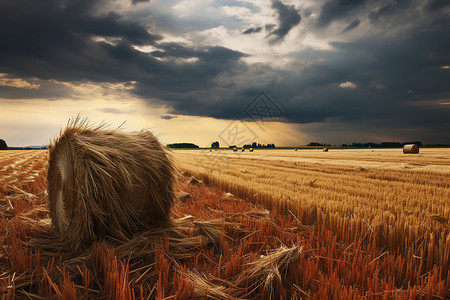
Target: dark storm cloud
[
  {"x": 71, "y": 41},
  {"x": 437, "y": 4},
  {"x": 252, "y": 30},
  {"x": 352, "y": 25},
  {"x": 337, "y": 9},
  {"x": 392, "y": 8},
  {"x": 112, "y": 26},
  {"x": 217, "y": 53},
  {"x": 138, "y": 1},
  {"x": 396, "y": 65},
  {"x": 384, "y": 69},
  {"x": 288, "y": 17},
  {"x": 49, "y": 40}
]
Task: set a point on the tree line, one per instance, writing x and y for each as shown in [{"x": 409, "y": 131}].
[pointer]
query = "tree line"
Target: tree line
[{"x": 3, "y": 145}]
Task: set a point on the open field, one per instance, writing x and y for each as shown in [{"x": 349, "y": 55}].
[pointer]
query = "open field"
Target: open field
[
  {"x": 279, "y": 224},
  {"x": 429, "y": 159},
  {"x": 384, "y": 187},
  {"x": 400, "y": 203}
]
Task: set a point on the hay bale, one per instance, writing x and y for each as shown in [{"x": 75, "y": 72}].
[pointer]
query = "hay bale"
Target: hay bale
[
  {"x": 251, "y": 150},
  {"x": 107, "y": 183},
  {"x": 410, "y": 149},
  {"x": 325, "y": 150},
  {"x": 235, "y": 149}
]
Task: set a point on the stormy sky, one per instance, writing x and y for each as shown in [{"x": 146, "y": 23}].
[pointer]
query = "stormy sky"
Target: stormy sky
[{"x": 337, "y": 71}]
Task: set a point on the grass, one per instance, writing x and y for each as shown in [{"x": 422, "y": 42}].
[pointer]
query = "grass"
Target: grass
[{"x": 284, "y": 229}]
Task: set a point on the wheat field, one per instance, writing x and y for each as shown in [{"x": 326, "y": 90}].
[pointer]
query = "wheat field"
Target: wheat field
[
  {"x": 398, "y": 202},
  {"x": 270, "y": 224}
]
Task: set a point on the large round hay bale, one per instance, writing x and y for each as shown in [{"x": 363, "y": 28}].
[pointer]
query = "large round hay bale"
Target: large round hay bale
[
  {"x": 410, "y": 149},
  {"x": 107, "y": 183}
]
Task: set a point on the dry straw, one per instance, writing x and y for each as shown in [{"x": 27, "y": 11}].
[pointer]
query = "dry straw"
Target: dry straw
[
  {"x": 411, "y": 149},
  {"x": 107, "y": 183}
]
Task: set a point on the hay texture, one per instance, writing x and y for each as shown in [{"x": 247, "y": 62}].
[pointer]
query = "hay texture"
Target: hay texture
[{"x": 107, "y": 183}]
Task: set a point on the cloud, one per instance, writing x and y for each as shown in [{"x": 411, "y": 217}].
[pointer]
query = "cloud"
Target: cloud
[
  {"x": 32, "y": 88},
  {"x": 138, "y": 1},
  {"x": 72, "y": 42},
  {"x": 6, "y": 80},
  {"x": 269, "y": 27},
  {"x": 437, "y": 5},
  {"x": 348, "y": 85},
  {"x": 115, "y": 111},
  {"x": 337, "y": 9},
  {"x": 387, "y": 10},
  {"x": 288, "y": 17},
  {"x": 352, "y": 25},
  {"x": 252, "y": 30},
  {"x": 166, "y": 117}
]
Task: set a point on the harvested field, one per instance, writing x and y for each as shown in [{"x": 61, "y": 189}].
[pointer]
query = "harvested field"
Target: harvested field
[
  {"x": 399, "y": 204},
  {"x": 261, "y": 225}
]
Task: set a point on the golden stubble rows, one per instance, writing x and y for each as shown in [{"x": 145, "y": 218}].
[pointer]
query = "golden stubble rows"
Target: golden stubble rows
[
  {"x": 355, "y": 240},
  {"x": 404, "y": 200}
]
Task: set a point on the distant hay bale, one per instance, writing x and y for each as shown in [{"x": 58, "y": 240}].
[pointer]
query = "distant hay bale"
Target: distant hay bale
[
  {"x": 107, "y": 183},
  {"x": 325, "y": 150},
  {"x": 251, "y": 150},
  {"x": 243, "y": 149},
  {"x": 235, "y": 149},
  {"x": 410, "y": 149}
]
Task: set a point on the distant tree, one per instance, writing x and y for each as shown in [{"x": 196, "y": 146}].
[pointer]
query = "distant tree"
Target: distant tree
[
  {"x": 391, "y": 145},
  {"x": 314, "y": 144},
  {"x": 182, "y": 146},
  {"x": 3, "y": 145},
  {"x": 215, "y": 145},
  {"x": 258, "y": 145}
]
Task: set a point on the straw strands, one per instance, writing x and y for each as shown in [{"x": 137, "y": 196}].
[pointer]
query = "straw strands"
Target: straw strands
[
  {"x": 156, "y": 263},
  {"x": 107, "y": 183},
  {"x": 402, "y": 210},
  {"x": 219, "y": 246}
]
